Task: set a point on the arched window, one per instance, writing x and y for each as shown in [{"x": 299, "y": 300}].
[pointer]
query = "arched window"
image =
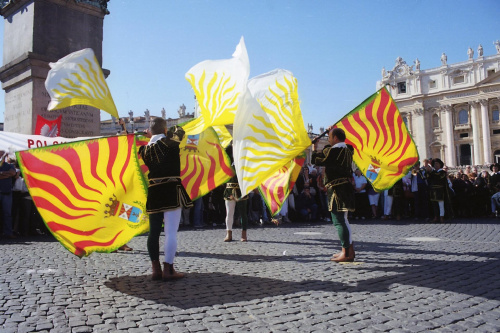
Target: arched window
[
  {"x": 463, "y": 117},
  {"x": 435, "y": 121},
  {"x": 495, "y": 115}
]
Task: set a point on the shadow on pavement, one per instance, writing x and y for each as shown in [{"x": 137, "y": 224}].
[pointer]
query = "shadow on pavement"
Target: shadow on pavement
[
  {"x": 208, "y": 289},
  {"x": 475, "y": 276}
]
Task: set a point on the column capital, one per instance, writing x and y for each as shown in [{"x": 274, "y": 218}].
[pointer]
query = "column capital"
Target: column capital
[
  {"x": 418, "y": 111},
  {"x": 483, "y": 102},
  {"x": 473, "y": 103},
  {"x": 446, "y": 108}
]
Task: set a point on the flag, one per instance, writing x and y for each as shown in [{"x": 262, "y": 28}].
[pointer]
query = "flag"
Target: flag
[
  {"x": 218, "y": 85},
  {"x": 90, "y": 194},
  {"x": 204, "y": 163},
  {"x": 268, "y": 129},
  {"x": 384, "y": 150},
  {"x": 276, "y": 188},
  {"x": 77, "y": 79},
  {"x": 50, "y": 128},
  {"x": 225, "y": 137}
]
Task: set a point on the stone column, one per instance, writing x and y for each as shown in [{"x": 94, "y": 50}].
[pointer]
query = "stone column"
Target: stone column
[
  {"x": 475, "y": 132},
  {"x": 419, "y": 134},
  {"x": 450, "y": 142},
  {"x": 486, "y": 132},
  {"x": 37, "y": 32}
]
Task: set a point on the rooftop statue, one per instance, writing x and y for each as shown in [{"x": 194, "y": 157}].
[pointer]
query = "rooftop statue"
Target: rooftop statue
[{"x": 102, "y": 4}]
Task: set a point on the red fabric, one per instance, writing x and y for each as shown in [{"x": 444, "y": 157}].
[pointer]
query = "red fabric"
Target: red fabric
[{"x": 47, "y": 127}]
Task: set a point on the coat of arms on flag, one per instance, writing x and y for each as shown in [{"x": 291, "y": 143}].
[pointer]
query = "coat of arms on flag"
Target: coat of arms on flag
[
  {"x": 125, "y": 211},
  {"x": 192, "y": 142}
]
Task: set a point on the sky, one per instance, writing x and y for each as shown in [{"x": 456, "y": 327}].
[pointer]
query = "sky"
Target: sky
[{"x": 335, "y": 49}]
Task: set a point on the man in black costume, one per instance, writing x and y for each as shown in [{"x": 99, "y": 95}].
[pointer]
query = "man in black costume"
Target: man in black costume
[
  {"x": 337, "y": 160},
  {"x": 166, "y": 194}
]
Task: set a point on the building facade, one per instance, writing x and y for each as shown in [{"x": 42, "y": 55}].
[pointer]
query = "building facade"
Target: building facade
[
  {"x": 135, "y": 124},
  {"x": 452, "y": 111}
]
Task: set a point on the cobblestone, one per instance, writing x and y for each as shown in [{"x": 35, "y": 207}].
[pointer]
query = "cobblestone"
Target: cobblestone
[{"x": 395, "y": 285}]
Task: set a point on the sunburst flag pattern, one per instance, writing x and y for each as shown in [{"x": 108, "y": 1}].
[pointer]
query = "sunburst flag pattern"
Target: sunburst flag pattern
[
  {"x": 384, "y": 150},
  {"x": 225, "y": 137},
  {"x": 77, "y": 79},
  {"x": 219, "y": 86},
  {"x": 268, "y": 130},
  {"x": 91, "y": 194},
  {"x": 275, "y": 190}
]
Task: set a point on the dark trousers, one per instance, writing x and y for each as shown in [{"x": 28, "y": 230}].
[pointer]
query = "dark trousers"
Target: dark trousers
[
  {"x": 341, "y": 223},
  {"x": 421, "y": 201},
  {"x": 362, "y": 205},
  {"x": 155, "y": 229}
]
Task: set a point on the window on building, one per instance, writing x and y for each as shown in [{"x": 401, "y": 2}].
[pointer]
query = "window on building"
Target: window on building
[
  {"x": 490, "y": 72},
  {"x": 459, "y": 79},
  {"x": 432, "y": 84},
  {"x": 496, "y": 131},
  {"x": 464, "y": 135},
  {"x": 402, "y": 87},
  {"x": 435, "y": 121},
  {"x": 463, "y": 117},
  {"x": 495, "y": 115}
]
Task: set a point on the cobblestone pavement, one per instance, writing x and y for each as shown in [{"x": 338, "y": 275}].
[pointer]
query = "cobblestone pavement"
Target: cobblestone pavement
[{"x": 407, "y": 277}]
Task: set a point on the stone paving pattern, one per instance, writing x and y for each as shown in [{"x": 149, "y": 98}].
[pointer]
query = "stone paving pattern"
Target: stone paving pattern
[{"x": 279, "y": 281}]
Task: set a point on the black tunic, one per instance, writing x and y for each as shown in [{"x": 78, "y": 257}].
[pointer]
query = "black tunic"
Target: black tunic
[
  {"x": 338, "y": 171},
  {"x": 165, "y": 191}
]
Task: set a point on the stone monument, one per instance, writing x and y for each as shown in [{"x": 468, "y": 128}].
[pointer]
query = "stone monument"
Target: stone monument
[{"x": 38, "y": 32}]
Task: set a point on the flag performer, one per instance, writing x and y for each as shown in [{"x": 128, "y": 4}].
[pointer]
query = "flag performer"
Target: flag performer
[
  {"x": 166, "y": 194},
  {"x": 337, "y": 160}
]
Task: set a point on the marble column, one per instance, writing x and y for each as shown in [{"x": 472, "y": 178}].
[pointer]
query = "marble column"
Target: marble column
[
  {"x": 475, "y": 132},
  {"x": 450, "y": 142},
  {"x": 419, "y": 136},
  {"x": 486, "y": 132}
]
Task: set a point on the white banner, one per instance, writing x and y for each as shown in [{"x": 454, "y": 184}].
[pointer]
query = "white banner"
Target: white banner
[{"x": 12, "y": 142}]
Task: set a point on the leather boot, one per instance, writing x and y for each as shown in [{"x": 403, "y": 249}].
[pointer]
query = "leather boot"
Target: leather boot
[
  {"x": 336, "y": 255},
  {"x": 347, "y": 255},
  {"x": 351, "y": 248},
  {"x": 243, "y": 235},
  {"x": 157, "y": 273},
  {"x": 169, "y": 272},
  {"x": 229, "y": 236}
]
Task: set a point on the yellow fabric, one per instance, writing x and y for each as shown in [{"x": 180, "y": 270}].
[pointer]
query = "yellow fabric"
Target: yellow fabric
[
  {"x": 77, "y": 79},
  {"x": 218, "y": 86},
  {"x": 91, "y": 194},
  {"x": 204, "y": 163},
  {"x": 384, "y": 150},
  {"x": 269, "y": 130},
  {"x": 275, "y": 189},
  {"x": 225, "y": 137}
]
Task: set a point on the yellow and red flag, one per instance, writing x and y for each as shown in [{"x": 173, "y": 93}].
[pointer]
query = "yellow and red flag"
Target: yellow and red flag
[
  {"x": 384, "y": 150},
  {"x": 91, "y": 194},
  {"x": 275, "y": 189},
  {"x": 204, "y": 163}
]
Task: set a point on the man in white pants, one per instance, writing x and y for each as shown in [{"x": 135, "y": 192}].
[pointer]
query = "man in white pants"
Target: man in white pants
[{"x": 166, "y": 194}]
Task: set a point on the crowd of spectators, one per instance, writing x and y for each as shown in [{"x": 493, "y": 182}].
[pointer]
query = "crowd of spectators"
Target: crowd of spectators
[
  {"x": 19, "y": 216},
  {"x": 470, "y": 192}
]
